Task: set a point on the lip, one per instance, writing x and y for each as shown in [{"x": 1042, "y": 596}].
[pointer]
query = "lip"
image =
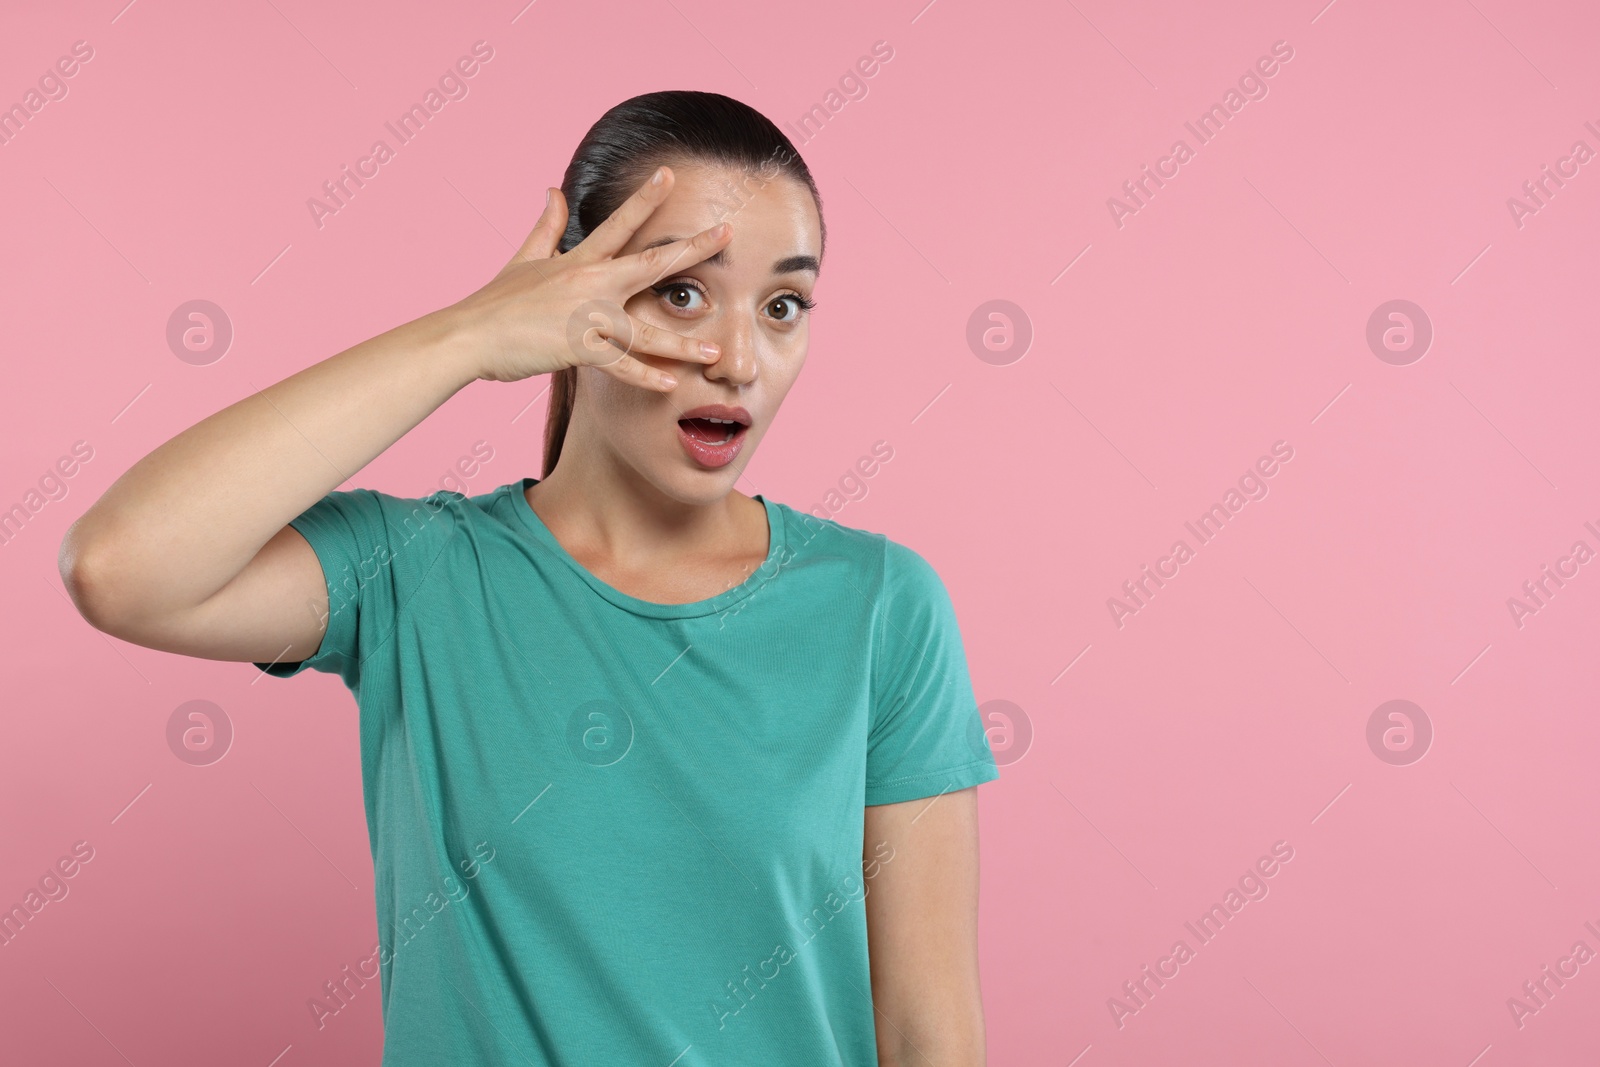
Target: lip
[
  {"x": 709, "y": 456},
  {"x": 718, "y": 411}
]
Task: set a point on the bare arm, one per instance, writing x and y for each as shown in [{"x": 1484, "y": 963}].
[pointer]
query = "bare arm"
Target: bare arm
[
  {"x": 190, "y": 550},
  {"x": 922, "y": 931},
  {"x": 147, "y": 562}
]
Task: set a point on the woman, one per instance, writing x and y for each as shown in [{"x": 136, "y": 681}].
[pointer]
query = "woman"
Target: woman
[{"x": 648, "y": 763}]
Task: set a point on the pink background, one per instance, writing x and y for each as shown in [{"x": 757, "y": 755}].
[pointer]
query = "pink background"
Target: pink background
[{"x": 1227, "y": 314}]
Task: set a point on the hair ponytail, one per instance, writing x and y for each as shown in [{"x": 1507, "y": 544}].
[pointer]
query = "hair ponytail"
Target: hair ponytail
[
  {"x": 560, "y": 414},
  {"x": 620, "y": 150}
]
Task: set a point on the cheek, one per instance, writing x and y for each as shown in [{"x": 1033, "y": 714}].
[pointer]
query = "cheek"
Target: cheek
[
  {"x": 616, "y": 408},
  {"x": 779, "y": 369},
  {"x": 783, "y": 358},
  {"x": 788, "y": 363},
  {"x": 628, "y": 416},
  {"x": 644, "y": 305}
]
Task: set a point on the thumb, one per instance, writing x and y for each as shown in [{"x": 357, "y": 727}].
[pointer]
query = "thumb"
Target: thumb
[{"x": 546, "y": 233}]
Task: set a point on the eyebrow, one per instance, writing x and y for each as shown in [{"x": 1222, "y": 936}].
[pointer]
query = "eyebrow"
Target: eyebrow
[{"x": 786, "y": 265}]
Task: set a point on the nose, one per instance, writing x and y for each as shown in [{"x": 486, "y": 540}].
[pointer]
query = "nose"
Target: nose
[{"x": 737, "y": 365}]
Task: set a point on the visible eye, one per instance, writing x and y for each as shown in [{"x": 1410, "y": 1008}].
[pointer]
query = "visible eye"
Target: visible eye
[
  {"x": 798, "y": 303},
  {"x": 679, "y": 295}
]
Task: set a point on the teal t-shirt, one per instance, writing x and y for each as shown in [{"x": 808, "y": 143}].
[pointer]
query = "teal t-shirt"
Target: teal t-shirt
[{"x": 608, "y": 831}]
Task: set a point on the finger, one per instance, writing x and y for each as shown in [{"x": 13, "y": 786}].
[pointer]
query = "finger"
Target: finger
[
  {"x": 627, "y": 369},
  {"x": 546, "y": 234},
  {"x": 648, "y": 267},
  {"x": 653, "y": 340},
  {"x": 609, "y": 237},
  {"x": 599, "y": 329}
]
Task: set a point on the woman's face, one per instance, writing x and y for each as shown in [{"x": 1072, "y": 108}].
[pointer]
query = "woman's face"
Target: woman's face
[{"x": 748, "y": 299}]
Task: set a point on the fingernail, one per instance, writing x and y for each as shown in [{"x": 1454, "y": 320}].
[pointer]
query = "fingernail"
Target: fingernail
[
  {"x": 721, "y": 228},
  {"x": 669, "y": 381},
  {"x": 708, "y": 348},
  {"x": 655, "y": 179},
  {"x": 549, "y": 195}
]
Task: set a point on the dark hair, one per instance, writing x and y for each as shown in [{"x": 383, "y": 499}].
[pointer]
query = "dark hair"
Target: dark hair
[{"x": 620, "y": 151}]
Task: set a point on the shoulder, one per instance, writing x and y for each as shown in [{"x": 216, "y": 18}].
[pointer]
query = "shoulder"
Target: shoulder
[
  {"x": 810, "y": 538},
  {"x": 911, "y": 586},
  {"x": 378, "y": 527},
  {"x": 397, "y": 518},
  {"x": 454, "y": 507},
  {"x": 892, "y": 568},
  {"x": 803, "y": 529},
  {"x": 436, "y": 519}
]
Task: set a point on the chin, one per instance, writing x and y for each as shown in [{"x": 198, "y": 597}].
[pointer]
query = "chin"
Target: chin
[
  {"x": 690, "y": 484},
  {"x": 680, "y": 479},
  {"x": 689, "y": 480}
]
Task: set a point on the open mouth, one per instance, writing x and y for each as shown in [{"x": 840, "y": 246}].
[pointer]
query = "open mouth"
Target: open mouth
[
  {"x": 709, "y": 431},
  {"x": 713, "y": 435}
]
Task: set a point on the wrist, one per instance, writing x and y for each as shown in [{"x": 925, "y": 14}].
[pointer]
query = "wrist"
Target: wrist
[{"x": 444, "y": 334}]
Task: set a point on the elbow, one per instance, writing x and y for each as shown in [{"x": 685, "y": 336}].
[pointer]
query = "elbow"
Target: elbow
[{"x": 89, "y": 576}]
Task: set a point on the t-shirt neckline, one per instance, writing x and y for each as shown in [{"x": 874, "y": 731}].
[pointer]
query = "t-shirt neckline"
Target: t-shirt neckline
[{"x": 776, "y": 546}]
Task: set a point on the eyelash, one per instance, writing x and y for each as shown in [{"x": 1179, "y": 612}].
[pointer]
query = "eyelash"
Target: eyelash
[{"x": 806, "y": 305}]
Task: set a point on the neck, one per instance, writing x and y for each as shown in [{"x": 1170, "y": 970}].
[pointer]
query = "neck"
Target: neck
[{"x": 603, "y": 509}]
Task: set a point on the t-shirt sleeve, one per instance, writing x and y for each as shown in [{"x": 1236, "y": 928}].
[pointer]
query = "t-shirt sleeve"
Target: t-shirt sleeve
[
  {"x": 926, "y": 735},
  {"x": 374, "y": 549}
]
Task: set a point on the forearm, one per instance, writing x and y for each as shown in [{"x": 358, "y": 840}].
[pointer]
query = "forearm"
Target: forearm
[
  {"x": 944, "y": 1034},
  {"x": 188, "y": 517},
  {"x": 922, "y": 929}
]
